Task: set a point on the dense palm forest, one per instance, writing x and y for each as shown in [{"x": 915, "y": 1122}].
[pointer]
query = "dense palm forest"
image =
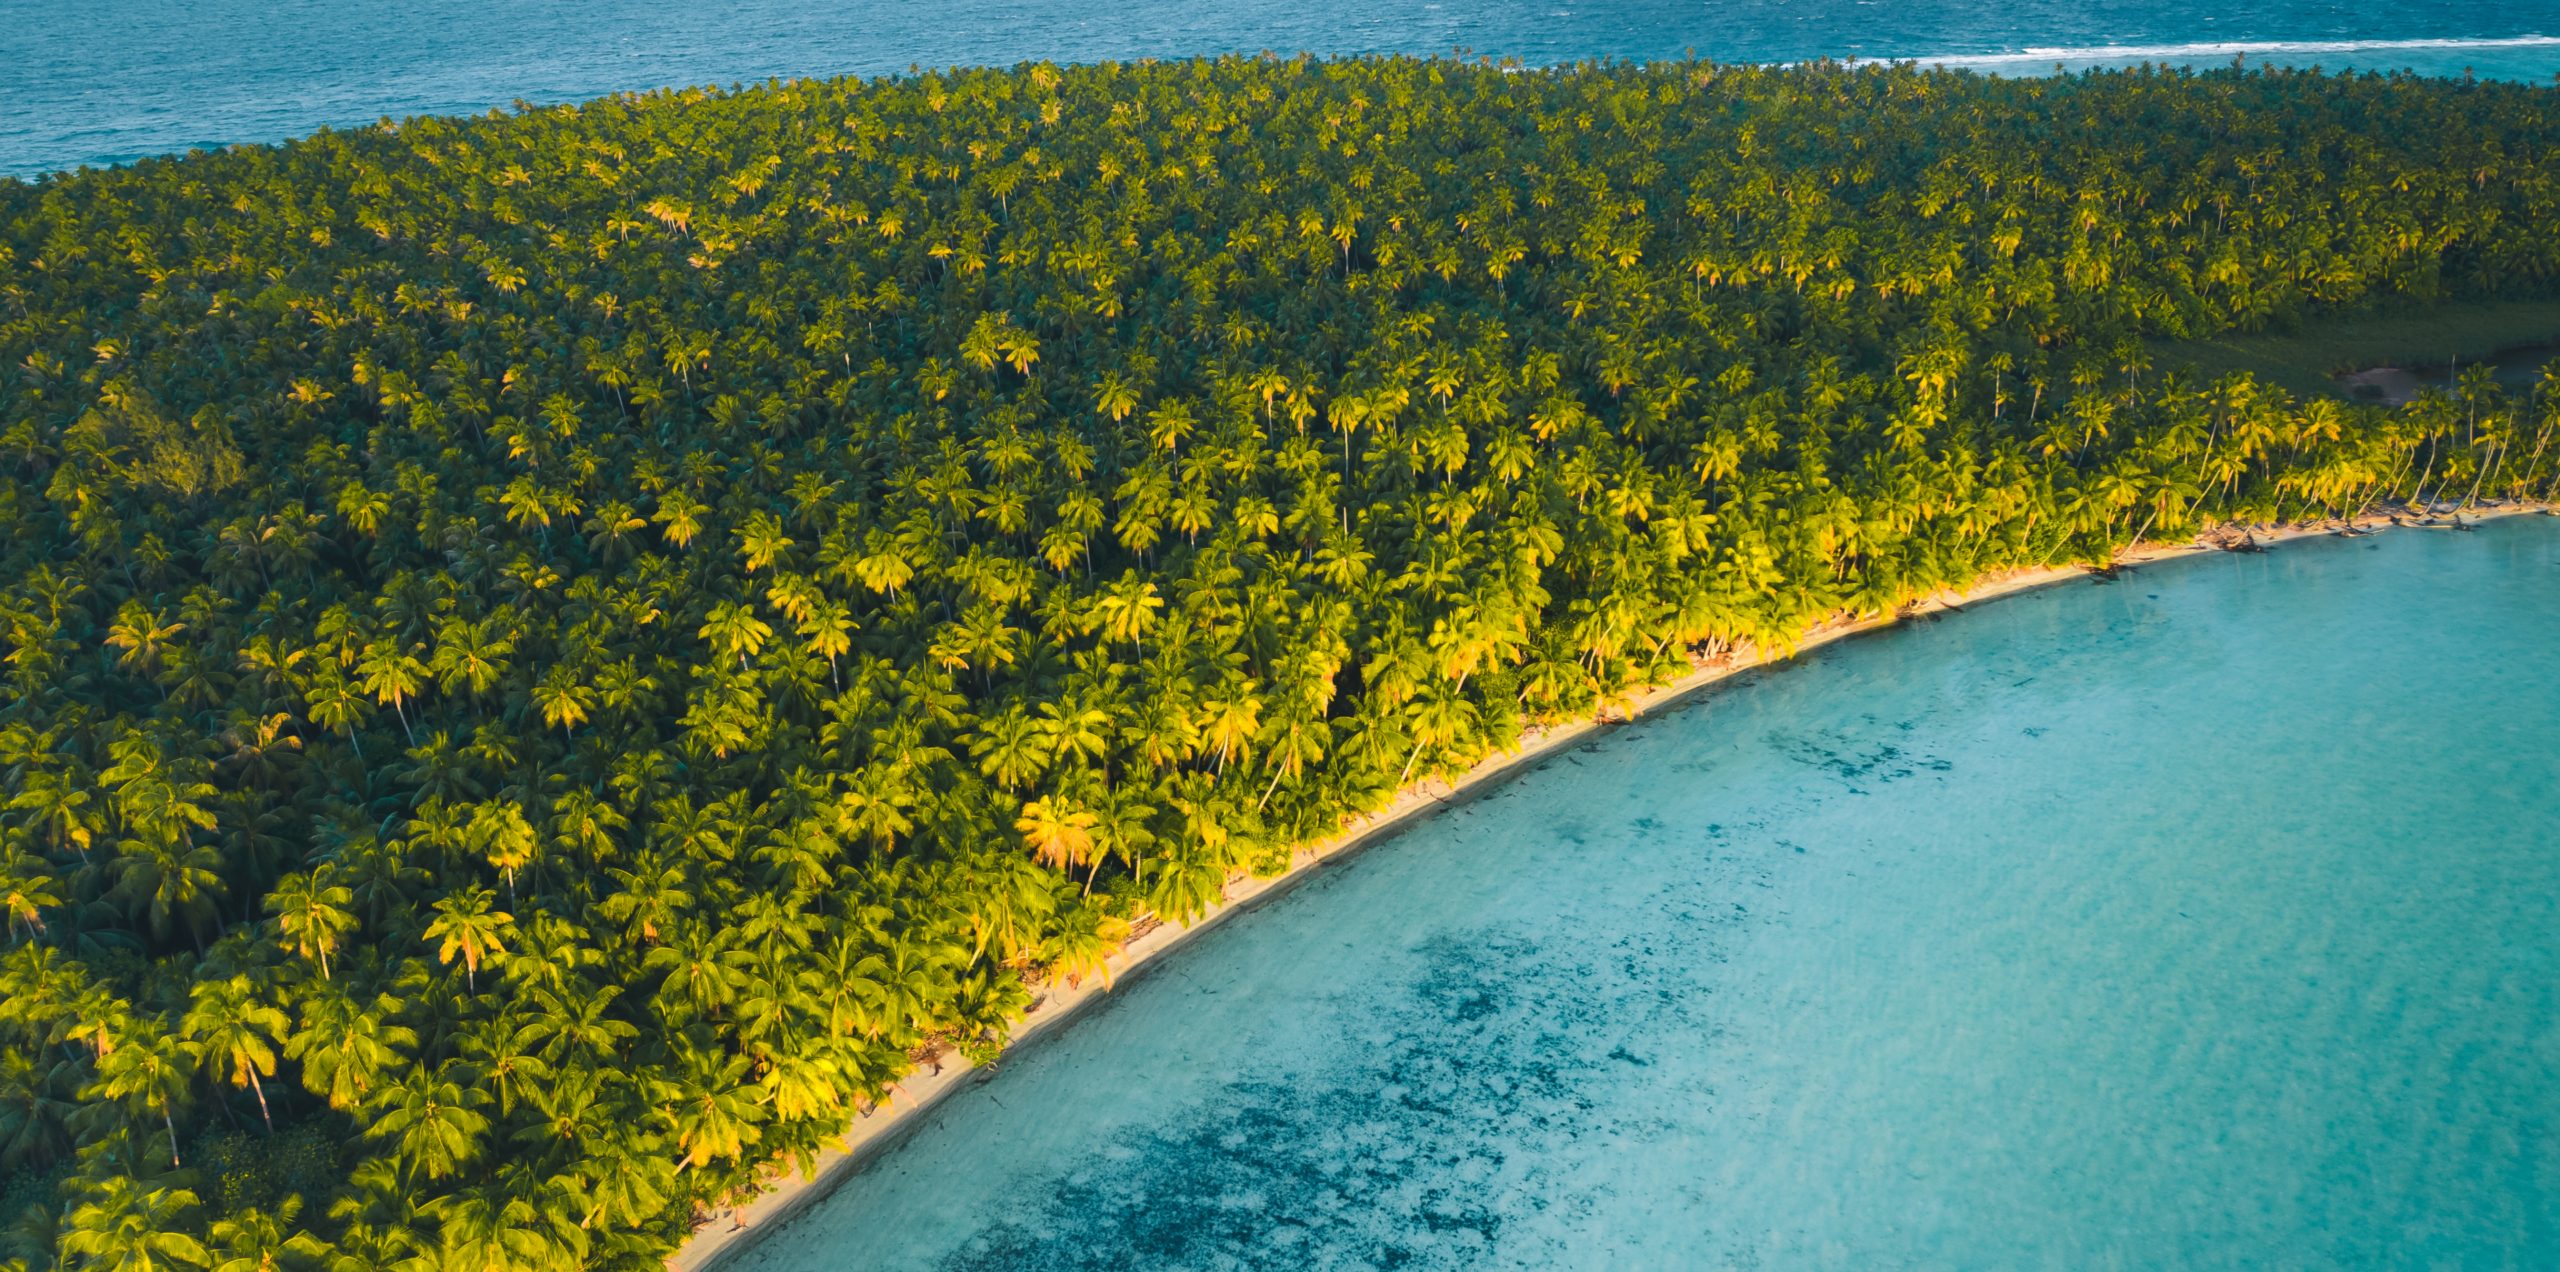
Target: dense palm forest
[{"x": 552, "y": 658}]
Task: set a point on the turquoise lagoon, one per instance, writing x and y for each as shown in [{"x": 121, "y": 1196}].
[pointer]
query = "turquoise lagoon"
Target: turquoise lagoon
[{"x": 2203, "y": 919}]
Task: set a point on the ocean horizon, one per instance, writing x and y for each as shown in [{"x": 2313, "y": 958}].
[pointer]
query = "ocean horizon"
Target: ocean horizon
[{"x": 110, "y": 83}]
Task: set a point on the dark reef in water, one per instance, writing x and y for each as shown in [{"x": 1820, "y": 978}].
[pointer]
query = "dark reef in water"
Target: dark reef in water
[{"x": 1423, "y": 1156}]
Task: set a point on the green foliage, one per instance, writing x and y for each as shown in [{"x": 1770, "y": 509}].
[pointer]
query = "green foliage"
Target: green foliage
[
  {"x": 555, "y": 656},
  {"x": 242, "y": 1170},
  {"x": 2303, "y": 359},
  {"x": 29, "y": 1202}
]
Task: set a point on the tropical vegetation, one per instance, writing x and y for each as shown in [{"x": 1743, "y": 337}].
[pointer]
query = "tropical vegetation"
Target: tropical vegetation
[{"x": 552, "y": 658}]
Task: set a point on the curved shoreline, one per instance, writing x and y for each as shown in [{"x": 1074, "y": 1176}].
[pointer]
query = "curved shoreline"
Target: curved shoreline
[{"x": 733, "y": 1233}]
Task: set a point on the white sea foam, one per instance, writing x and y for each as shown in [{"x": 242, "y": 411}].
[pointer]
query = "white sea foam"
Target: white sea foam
[{"x": 2214, "y": 50}]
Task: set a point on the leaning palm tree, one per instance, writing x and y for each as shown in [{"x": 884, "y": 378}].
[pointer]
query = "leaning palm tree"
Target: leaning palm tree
[
  {"x": 391, "y": 675},
  {"x": 232, "y": 1030}
]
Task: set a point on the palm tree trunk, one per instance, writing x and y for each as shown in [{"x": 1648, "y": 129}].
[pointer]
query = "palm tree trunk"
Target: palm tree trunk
[
  {"x": 2535, "y": 465},
  {"x": 2424, "y": 473},
  {"x": 1408, "y": 764},
  {"x": 2146, "y": 528},
  {"x": 263, "y": 1112},
  {"x": 2481, "y": 476}
]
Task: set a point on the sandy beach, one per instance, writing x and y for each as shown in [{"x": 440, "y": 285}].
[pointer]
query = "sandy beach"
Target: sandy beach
[{"x": 731, "y": 1233}]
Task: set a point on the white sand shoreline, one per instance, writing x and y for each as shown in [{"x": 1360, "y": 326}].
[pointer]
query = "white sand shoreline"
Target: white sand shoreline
[{"x": 730, "y": 1235}]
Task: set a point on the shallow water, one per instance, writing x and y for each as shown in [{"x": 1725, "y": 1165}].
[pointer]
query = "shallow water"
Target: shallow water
[
  {"x": 2199, "y": 920},
  {"x": 107, "y": 81}
]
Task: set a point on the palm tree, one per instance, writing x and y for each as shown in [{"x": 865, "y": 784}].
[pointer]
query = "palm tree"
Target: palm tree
[
  {"x": 562, "y": 699},
  {"x": 131, "y": 1228},
  {"x": 680, "y": 515},
  {"x": 1059, "y": 832},
  {"x": 308, "y": 917},
  {"x": 149, "y": 1069},
  {"x": 254, "y": 1240},
  {"x": 60, "y": 802},
  {"x": 1083, "y": 942},
  {"x": 913, "y": 980},
  {"x": 28, "y": 887},
  {"x": 585, "y": 824},
  {"x": 500, "y": 833},
  {"x": 144, "y": 637},
  {"x": 344, "y": 1045},
  {"x": 159, "y": 795},
  {"x": 627, "y": 1174},
  {"x": 261, "y": 749},
  {"x": 1120, "y": 830},
  {"x": 470, "y": 657},
  {"x": 431, "y": 1121},
  {"x": 652, "y": 895},
  {"x": 38, "y": 1101},
  {"x": 466, "y": 925},
  {"x": 876, "y": 803},
  {"x": 513, "y": 1220},
  {"x": 711, "y": 1107},
  {"x": 162, "y": 879},
  {"x": 390, "y": 674},
  {"x": 732, "y": 629},
  {"x": 507, "y": 1071},
  {"x": 762, "y": 541},
  {"x": 1127, "y": 609},
  {"x": 229, "y": 1028},
  {"x": 622, "y": 689},
  {"x": 337, "y": 705},
  {"x": 1014, "y": 750},
  {"x": 827, "y": 632},
  {"x": 575, "y": 1024},
  {"x": 270, "y": 663},
  {"x": 1231, "y": 723}
]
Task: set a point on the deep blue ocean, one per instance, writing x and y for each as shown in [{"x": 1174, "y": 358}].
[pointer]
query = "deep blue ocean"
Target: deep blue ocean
[{"x": 107, "y": 81}]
